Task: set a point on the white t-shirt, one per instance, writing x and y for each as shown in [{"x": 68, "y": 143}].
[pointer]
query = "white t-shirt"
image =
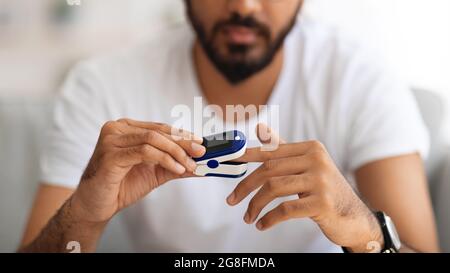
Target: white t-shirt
[{"x": 329, "y": 90}]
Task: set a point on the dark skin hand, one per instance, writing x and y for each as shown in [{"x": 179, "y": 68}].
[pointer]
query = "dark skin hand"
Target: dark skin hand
[
  {"x": 305, "y": 169},
  {"x": 130, "y": 160}
]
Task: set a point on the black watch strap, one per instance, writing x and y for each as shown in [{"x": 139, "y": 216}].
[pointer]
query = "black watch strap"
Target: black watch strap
[{"x": 388, "y": 244}]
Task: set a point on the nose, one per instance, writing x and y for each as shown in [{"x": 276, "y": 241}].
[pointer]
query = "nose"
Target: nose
[{"x": 244, "y": 7}]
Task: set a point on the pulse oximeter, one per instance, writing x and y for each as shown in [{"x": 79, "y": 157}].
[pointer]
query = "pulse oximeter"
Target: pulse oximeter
[{"x": 220, "y": 150}]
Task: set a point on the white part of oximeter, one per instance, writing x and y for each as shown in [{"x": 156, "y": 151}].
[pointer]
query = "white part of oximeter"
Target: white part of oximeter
[{"x": 223, "y": 170}]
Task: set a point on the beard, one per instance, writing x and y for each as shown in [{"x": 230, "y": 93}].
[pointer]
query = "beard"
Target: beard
[{"x": 237, "y": 70}]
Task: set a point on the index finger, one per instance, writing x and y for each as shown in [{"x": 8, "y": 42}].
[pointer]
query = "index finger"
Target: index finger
[
  {"x": 175, "y": 133},
  {"x": 284, "y": 150}
]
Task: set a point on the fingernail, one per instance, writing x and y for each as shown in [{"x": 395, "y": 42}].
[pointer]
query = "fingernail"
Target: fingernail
[
  {"x": 247, "y": 218},
  {"x": 259, "y": 225},
  {"x": 179, "y": 168},
  {"x": 231, "y": 198},
  {"x": 197, "y": 147}
]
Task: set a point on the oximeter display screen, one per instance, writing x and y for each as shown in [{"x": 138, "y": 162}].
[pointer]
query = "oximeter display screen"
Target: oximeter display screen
[{"x": 217, "y": 142}]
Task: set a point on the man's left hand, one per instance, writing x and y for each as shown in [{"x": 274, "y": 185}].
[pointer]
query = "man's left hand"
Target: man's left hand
[{"x": 306, "y": 170}]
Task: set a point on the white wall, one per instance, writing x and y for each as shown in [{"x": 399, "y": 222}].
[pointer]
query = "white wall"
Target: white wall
[
  {"x": 413, "y": 35},
  {"x": 34, "y": 46}
]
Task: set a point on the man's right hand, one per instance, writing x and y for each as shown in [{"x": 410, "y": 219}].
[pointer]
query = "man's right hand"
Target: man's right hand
[{"x": 130, "y": 160}]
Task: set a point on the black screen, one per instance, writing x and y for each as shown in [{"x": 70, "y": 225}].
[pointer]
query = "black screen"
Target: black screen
[{"x": 217, "y": 142}]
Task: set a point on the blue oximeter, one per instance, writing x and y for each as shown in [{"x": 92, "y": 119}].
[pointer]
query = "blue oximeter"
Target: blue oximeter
[{"x": 220, "y": 150}]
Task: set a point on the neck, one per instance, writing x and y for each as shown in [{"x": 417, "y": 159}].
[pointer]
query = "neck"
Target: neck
[{"x": 256, "y": 90}]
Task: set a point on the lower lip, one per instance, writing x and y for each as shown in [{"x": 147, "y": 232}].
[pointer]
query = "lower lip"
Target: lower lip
[{"x": 240, "y": 35}]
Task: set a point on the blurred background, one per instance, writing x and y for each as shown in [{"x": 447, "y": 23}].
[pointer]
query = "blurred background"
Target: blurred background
[{"x": 41, "y": 39}]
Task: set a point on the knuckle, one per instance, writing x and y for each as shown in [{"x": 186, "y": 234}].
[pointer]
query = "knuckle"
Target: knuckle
[
  {"x": 326, "y": 201},
  {"x": 320, "y": 159},
  {"x": 167, "y": 127},
  {"x": 123, "y": 120},
  {"x": 176, "y": 137},
  {"x": 145, "y": 149},
  {"x": 271, "y": 185},
  {"x": 316, "y": 156},
  {"x": 266, "y": 156},
  {"x": 317, "y": 145},
  {"x": 164, "y": 127},
  {"x": 269, "y": 165},
  {"x": 321, "y": 185},
  {"x": 107, "y": 126},
  {"x": 321, "y": 179},
  {"x": 285, "y": 209},
  {"x": 150, "y": 136}
]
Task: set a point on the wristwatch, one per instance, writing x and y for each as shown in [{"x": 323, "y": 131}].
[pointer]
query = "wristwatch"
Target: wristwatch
[{"x": 392, "y": 243}]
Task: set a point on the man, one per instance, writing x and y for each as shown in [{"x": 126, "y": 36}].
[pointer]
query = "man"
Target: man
[{"x": 345, "y": 122}]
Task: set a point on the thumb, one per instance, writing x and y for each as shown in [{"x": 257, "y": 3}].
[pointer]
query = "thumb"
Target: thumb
[{"x": 269, "y": 139}]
